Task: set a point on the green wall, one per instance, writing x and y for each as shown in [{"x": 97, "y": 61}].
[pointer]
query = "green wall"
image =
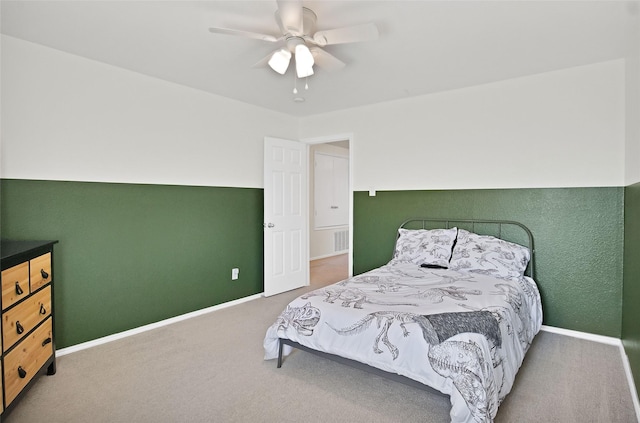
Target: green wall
[
  {"x": 130, "y": 255},
  {"x": 630, "y": 309},
  {"x": 578, "y": 235}
]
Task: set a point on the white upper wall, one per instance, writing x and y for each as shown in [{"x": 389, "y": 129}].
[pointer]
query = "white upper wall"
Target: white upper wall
[
  {"x": 65, "y": 117},
  {"x": 632, "y": 153},
  {"x": 558, "y": 129}
]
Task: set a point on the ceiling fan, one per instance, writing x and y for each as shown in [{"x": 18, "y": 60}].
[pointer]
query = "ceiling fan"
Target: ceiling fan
[{"x": 299, "y": 39}]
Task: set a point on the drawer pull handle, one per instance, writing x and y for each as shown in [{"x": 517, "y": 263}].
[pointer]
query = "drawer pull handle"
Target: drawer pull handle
[
  {"x": 19, "y": 290},
  {"x": 19, "y": 327},
  {"x": 44, "y": 274},
  {"x": 42, "y": 309},
  {"x": 22, "y": 372},
  {"x": 46, "y": 341}
]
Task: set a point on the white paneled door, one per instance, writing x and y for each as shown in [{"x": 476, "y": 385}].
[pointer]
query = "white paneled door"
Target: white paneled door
[
  {"x": 286, "y": 262},
  {"x": 331, "y": 190}
]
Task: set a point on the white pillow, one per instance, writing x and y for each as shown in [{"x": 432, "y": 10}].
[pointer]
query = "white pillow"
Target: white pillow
[
  {"x": 425, "y": 246},
  {"x": 489, "y": 255}
]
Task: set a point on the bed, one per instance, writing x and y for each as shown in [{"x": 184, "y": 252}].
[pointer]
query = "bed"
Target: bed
[{"x": 455, "y": 309}]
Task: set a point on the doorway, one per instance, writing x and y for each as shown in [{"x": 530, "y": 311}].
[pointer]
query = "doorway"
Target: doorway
[
  {"x": 328, "y": 270},
  {"x": 330, "y": 209}
]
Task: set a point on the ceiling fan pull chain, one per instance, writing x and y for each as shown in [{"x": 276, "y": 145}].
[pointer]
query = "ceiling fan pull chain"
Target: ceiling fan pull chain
[
  {"x": 306, "y": 84},
  {"x": 295, "y": 84}
]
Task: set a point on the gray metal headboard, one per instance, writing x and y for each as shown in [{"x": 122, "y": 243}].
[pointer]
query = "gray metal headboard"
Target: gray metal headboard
[{"x": 507, "y": 230}]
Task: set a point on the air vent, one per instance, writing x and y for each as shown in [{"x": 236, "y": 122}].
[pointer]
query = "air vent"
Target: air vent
[{"x": 341, "y": 241}]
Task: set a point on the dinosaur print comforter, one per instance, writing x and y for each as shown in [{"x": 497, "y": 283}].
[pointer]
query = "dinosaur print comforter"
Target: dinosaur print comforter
[{"x": 464, "y": 334}]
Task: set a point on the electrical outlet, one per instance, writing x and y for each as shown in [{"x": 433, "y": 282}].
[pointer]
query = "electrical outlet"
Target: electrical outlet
[{"x": 235, "y": 272}]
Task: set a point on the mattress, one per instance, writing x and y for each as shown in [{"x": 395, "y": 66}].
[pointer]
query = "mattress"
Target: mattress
[{"x": 463, "y": 333}]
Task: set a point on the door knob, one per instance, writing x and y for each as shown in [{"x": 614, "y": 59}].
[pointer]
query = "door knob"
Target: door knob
[{"x": 270, "y": 225}]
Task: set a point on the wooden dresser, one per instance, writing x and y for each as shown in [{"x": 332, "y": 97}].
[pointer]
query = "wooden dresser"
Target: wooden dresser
[{"x": 28, "y": 346}]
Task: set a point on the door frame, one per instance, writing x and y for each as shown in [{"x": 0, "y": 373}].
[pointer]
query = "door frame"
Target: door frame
[{"x": 323, "y": 140}]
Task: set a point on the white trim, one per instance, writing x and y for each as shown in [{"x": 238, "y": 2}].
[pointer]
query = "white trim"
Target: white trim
[
  {"x": 632, "y": 385},
  {"x": 145, "y": 328},
  {"x": 605, "y": 340},
  {"x": 584, "y": 335},
  {"x": 336, "y": 253}
]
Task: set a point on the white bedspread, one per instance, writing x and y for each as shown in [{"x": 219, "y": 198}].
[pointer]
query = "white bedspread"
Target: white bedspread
[{"x": 464, "y": 334}]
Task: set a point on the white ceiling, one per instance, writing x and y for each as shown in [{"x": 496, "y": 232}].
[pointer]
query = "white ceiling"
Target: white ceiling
[{"x": 424, "y": 46}]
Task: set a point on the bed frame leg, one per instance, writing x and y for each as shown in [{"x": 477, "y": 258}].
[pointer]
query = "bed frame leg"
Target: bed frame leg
[{"x": 280, "y": 345}]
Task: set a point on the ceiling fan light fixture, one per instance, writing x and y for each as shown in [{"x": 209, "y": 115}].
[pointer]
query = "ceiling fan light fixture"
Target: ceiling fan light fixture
[
  {"x": 279, "y": 61},
  {"x": 304, "y": 61},
  {"x": 297, "y": 29}
]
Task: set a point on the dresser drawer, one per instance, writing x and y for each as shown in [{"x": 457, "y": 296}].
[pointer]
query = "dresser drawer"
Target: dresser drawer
[
  {"x": 40, "y": 271},
  {"x": 25, "y": 316},
  {"x": 15, "y": 284},
  {"x": 24, "y": 361}
]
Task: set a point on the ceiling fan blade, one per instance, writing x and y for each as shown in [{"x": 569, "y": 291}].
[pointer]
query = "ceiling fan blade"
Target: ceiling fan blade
[
  {"x": 325, "y": 60},
  {"x": 289, "y": 16},
  {"x": 264, "y": 61},
  {"x": 245, "y": 34},
  {"x": 281, "y": 60},
  {"x": 350, "y": 34}
]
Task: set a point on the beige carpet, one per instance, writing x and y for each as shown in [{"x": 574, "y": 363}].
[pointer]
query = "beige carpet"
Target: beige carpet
[{"x": 210, "y": 369}]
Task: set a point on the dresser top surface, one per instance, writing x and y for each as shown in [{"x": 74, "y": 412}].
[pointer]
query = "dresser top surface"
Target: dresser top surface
[{"x": 12, "y": 248}]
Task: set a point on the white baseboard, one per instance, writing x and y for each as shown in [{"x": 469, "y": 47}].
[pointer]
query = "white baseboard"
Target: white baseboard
[
  {"x": 605, "y": 340},
  {"x": 583, "y": 335},
  {"x": 337, "y": 253},
  {"x": 135, "y": 331},
  {"x": 632, "y": 385}
]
